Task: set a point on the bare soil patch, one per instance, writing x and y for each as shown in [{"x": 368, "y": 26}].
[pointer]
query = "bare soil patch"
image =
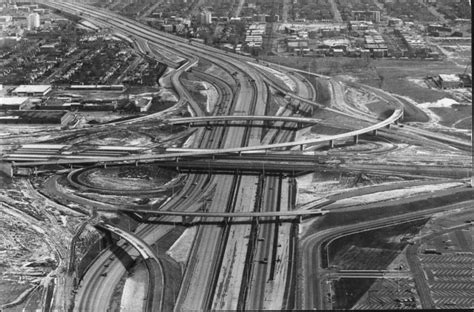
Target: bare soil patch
[
  {"x": 372, "y": 250},
  {"x": 128, "y": 177}
]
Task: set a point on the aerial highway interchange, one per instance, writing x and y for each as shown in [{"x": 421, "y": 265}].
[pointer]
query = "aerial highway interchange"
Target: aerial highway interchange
[{"x": 239, "y": 190}]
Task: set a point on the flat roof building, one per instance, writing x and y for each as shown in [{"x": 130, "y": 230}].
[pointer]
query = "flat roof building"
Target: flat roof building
[
  {"x": 373, "y": 16},
  {"x": 32, "y": 90},
  {"x": 14, "y": 103},
  {"x": 450, "y": 81},
  {"x": 43, "y": 117}
]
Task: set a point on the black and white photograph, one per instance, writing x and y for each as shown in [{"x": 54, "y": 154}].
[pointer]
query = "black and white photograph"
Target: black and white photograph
[{"x": 236, "y": 155}]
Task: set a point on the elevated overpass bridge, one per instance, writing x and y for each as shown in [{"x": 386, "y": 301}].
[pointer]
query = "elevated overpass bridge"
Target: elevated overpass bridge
[
  {"x": 276, "y": 121},
  {"x": 180, "y": 153},
  {"x": 396, "y": 115},
  {"x": 141, "y": 246},
  {"x": 227, "y": 216}
]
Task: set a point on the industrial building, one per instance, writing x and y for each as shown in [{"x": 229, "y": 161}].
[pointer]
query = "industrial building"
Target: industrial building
[
  {"x": 415, "y": 43},
  {"x": 376, "y": 45},
  {"x": 32, "y": 90},
  {"x": 450, "y": 81},
  {"x": 58, "y": 117},
  {"x": 254, "y": 35},
  {"x": 297, "y": 44},
  {"x": 118, "y": 87},
  {"x": 14, "y": 103}
]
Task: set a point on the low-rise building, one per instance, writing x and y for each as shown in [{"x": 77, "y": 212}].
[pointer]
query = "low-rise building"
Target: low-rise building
[
  {"x": 338, "y": 52},
  {"x": 360, "y": 25},
  {"x": 415, "y": 43},
  {"x": 117, "y": 87},
  {"x": 14, "y": 103},
  {"x": 376, "y": 45},
  {"x": 466, "y": 80},
  {"x": 58, "y": 117},
  {"x": 297, "y": 44},
  {"x": 372, "y": 16},
  {"x": 450, "y": 81},
  {"x": 143, "y": 103},
  {"x": 32, "y": 90},
  {"x": 167, "y": 27},
  {"x": 395, "y": 22}
]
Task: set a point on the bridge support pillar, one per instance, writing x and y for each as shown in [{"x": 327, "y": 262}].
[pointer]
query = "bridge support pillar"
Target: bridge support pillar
[
  {"x": 374, "y": 132},
  {"x": 331, "y": 143},
  {"x": 256, "y": 221},
  {"x": 301, "y": 147},
  {"x": 299, "y": 219},
  {"x": 35, "y": 171},
  {"x": 184, "y": 220},
  {"x": 12, "y": 170},
  {"x": 356, "y": 139},
  {"x": 136, "y": 163},
  {"x": 105, "y": 165}
]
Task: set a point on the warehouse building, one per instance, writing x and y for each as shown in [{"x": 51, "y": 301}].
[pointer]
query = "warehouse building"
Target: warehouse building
[
  {"x": 450, "y": 81},
  {"x": 14, "y": 103},
  {"x": 32, "y": 90},
  {"x": 41, "y": 117}
]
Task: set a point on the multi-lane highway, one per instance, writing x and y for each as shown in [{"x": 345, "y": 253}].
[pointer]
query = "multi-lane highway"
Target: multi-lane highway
[
  {"x": 250, "y": 94},
  {"x": 231, "y": 265}
]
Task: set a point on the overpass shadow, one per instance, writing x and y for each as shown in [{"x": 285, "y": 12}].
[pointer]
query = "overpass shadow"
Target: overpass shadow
[{"x": 118, "y": 251}]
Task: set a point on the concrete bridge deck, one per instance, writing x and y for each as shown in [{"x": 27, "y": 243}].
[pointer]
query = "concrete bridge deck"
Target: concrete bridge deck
[{"x": 181, "y": 153}]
